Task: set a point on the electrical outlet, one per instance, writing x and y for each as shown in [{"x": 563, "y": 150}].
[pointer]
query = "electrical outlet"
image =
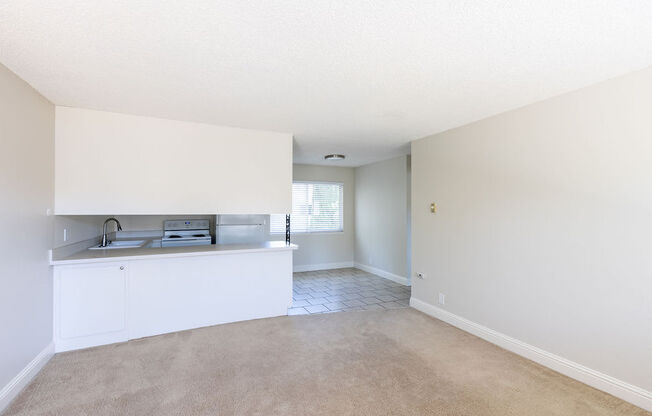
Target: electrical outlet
[
  {"x": 442, "y": 299},
  {"x": 421, "y": 275}
]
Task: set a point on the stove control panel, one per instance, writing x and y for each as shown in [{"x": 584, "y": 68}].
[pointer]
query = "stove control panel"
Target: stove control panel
[{"x": 185, "y": 225}]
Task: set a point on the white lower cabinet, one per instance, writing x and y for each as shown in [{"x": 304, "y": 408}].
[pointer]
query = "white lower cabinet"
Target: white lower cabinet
[
  {"x": 90, "y": 305},
  {"x": 108, "y": 302},
  {"x": 173, "y": 294}
]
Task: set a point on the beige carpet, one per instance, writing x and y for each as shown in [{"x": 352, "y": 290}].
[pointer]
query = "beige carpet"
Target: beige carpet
[{"x": 397, "y": 362}]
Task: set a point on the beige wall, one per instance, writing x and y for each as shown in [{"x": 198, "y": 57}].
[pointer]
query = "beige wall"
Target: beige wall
[
  {"x": 381, "y": 212},
  {"x": 26, "y": 193},
  {"x": 544, "y": 227},
  {"x": 327, "y": 249},
  {"x": 110, "y": 164}
]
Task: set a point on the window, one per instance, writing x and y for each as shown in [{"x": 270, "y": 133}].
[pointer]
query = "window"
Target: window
[{"x": 316, "y": 207}]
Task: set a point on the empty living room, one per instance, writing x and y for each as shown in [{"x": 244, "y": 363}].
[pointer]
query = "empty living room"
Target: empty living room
[{"x": 326, "y": 207}]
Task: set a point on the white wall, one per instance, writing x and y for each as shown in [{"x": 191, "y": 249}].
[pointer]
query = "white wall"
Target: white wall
[
  {"x": 132, "y": 223},
  {"x": 544, "y": 229},
  {"x": 326, "y": 250},
  {"x": 109, "y": 163},
  {"x": 381, "y": 212},
  {"x": 26, "y": 192},
  {"x": 77, "y": 228}
]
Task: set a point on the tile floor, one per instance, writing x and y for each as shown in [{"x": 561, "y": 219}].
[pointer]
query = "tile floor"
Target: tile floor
[{"x": 348, "y": 289}]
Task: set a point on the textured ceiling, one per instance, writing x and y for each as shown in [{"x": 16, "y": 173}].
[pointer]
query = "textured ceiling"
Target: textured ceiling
[{"x": 356, "y": 77}]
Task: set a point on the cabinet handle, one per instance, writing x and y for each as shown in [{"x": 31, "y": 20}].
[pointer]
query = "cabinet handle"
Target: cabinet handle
[{"x": 122, "y": 267}]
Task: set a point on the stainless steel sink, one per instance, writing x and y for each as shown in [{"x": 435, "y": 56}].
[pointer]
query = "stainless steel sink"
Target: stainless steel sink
[{"x": 121, "y": 244}]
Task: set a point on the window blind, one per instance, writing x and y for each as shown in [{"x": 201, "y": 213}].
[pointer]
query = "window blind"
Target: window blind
[{"x": 316, "y": 207}]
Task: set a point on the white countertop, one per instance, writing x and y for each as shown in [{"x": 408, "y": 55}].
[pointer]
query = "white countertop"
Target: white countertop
[{"x": 98, "y": 256}]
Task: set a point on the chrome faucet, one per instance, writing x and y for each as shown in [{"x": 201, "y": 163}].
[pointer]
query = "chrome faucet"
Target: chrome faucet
[{"x": 105, "y": 240}]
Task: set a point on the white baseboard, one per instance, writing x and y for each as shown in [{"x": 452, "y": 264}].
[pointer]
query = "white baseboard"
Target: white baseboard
[
  {"x": 593, "y": 378},
  {"x": 22, "y": 379},
  {"x": 382, "y": 273},
  {"x": 322, "y": 266}
]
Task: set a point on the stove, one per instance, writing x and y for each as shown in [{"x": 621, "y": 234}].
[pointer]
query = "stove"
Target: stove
[{"x": 178, "y": 233}]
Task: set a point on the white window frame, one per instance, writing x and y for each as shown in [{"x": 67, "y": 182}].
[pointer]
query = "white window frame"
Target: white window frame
[{"x": 341, "y": 230}]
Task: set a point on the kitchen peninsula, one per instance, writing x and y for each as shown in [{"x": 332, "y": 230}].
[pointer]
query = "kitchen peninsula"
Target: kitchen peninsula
[
  {"x": 108, "y": 296},
  {"x": 167, "y": 283}
]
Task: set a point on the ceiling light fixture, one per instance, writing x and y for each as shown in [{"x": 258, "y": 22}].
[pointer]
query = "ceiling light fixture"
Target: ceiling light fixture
[{"x": 334, "y": 156}]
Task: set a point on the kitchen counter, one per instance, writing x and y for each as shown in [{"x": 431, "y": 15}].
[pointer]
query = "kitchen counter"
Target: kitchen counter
[
  {"x": 107, "y": 296},
  {"x": 96, "y": 256}
]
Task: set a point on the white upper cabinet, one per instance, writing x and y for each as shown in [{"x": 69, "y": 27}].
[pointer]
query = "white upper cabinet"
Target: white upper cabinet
[{"x": 109, "y": 163}]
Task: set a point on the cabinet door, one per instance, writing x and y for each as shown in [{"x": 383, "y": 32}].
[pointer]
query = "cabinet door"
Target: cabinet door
[{"x": 92, "y": 300}]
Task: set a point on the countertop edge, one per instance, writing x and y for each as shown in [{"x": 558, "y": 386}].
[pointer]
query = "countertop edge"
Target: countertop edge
[{"x": 198, "y": 253}]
